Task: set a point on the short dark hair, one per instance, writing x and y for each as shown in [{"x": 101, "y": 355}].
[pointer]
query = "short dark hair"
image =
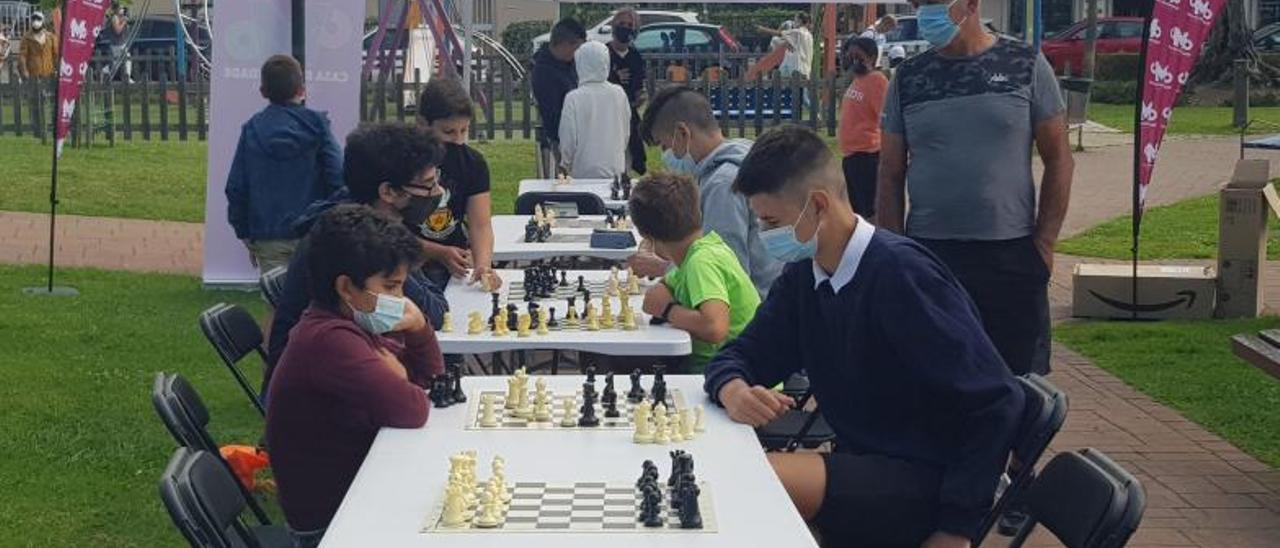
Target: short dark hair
[
  {"x": 567, "y": 30},
  {"x": 664, "y": 207},
  {"x": 866, "y": 45},
  {"x": 444, "y": 98},
  {"x": 802, "y": 18},
  {"x": 359, "y": 242},
  {"x": 281, "y": 78},
  {"x": 782, "y": 156},
  {"x": 387, "y": 152},
  {"x": 676, "y": 104}
]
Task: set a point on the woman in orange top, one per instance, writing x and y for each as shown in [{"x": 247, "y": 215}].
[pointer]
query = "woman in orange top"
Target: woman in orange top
[{"x": 860, "y": 124}]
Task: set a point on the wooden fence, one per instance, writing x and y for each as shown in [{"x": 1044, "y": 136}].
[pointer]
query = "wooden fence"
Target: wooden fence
[{"x": 164, "y": 108}]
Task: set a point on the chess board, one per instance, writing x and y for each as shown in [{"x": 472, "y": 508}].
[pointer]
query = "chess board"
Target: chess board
[
  {"x": 625, "y": 420},
  {"x": 578, "y": 223},
  {"x": 515, "y": 291},
  {"x": 579, "y": 507}
]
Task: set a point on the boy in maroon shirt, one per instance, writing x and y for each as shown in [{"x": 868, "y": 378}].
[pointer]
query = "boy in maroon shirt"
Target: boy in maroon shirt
[{"x": 357, "y": 361}]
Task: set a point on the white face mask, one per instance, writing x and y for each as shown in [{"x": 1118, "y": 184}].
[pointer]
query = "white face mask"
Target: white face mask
[
  {"x": 37, "y": 25},
  {"x": 386, "y": 314}
]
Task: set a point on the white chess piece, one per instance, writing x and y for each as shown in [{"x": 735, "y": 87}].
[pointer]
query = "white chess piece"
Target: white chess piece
[
  {"x": 489, "y": 516},
  {"x": 675, "y": 428},
  {"x": 540, "y": 411},
  {"x": 500, "y": 475},
  {"x": 513, "y": 394},
  {"x": 699, "y": 419},
  {"x": 686, "y": 424},
  {"x": 643, "y": 434},
  {"x": 488, "y": 418},
  {"x": 660, "y": 433},
  {"x": 568, "y": 420},
  {"x": 455, "y": 510}
]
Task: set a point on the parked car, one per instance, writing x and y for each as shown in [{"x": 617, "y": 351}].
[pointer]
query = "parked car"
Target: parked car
[
  {"x": 1267, "y": 38},
  {"x": 1115, "y": 35},
  {"x": 907, "y": 35},
  {"x": 603, "y": 32},
  {"x": 681, "y": 37}
]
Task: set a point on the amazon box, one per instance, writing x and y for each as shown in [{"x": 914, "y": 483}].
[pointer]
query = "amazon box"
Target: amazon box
[
  {"x": 1165, "y": 292},
  {"x": 1244, "y": 204}
]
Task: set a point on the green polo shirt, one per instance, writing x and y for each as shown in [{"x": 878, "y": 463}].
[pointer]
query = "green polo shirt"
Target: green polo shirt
[{"x": 711, "y": 271}]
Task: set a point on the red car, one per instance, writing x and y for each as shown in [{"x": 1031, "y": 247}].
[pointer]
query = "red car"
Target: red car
[{"x": 1115, "y": 35}]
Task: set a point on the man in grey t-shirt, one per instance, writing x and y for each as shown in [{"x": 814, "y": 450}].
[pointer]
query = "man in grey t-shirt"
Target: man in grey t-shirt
[{"x": 959, "y": 124}]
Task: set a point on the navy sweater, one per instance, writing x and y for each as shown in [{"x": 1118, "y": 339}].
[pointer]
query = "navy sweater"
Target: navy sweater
[{"x": 900, "y": 364}]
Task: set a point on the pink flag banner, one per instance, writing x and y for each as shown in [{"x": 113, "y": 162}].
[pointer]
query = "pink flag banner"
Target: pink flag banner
[
  {"x": 81, "y": 24},
  {"x": 1177, "y": 35}
]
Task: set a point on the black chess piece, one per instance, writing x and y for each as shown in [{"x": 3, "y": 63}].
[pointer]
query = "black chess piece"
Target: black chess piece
[
  {"x": 459, "y": 396},
  {"x": 608, "y": 219},
  {"x": 531, "y": 231},
  {"x": 614, "y": 188},
  {"x": 690, "y": 513},
  {"x": 626, "y": 186},
  {"x": 586, "y": 302},
  {"x": 534, "y": 317},
  {"x": 513, "y": 317},
  {"x": 659, "y": 390},
  {"x": 564, "y": 282},
  {"x": 588, "y": 418},
  {"x": 552, "y": 322},
  {"x": 582, "y": 284},
  {"x": 611, "y": 408},
  {"x": 644, "y": 472},
  {"x": 637, "y": 392},
  {"x": 675, "y": 467},
  {"x": 591, "y": 375},
  {"x": 651, "y": 506}
]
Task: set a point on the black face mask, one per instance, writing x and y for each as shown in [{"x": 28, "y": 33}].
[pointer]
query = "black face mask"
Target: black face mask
[
  {"x": 860, "y": 68},
  {"x": 420, "y": 207},
  {"x": 623, "y": 34}
]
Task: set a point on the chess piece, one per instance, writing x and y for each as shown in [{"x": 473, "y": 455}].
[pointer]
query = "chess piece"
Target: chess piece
[
  {"x": 633, "y": 283},
  {"x": 513, "y": 317},
  {"x": 538, "y": 214},
  {"x": 630, "y": 323},
  {"x": 531, "y": 231},
  {"x": 446, "y": 325},
  {"x": 611, "y": 287},
  {"x": 543, "y": 328},
  {"x": 535, "y": 316},
  {"x": 582, "y": 284},
  {"x": 474, "y": 324},
  {"x": 488, "y": 418},
  {"x": 659, "y": 390},
  {"x": 567, "y": 419},
  {"x": 454, "y": 508},
  {"x": 675, "y": 429},
  {"x": 513, "y": 394},
  {"x": 541, "y": 413},
  {"x": 523, "y": 409},
  {"x": 564, "y": 282},
  {"x": 615, "y": 189},
  {"x": 606, "y": 313},
  {"x": 644, "y": 433},
  {"x": 489, "y": 516},
  {"x": 660, "y": 433},
  {"x": 593, "y": 322},
  {"x": 636, "y": 393},
  {"x": 699, "y": 419},
  {"x": 458, "y": 395},
  {"x": 522, "y": 328},
  {"x": 608, "y": 218},
  {"x": 552, "y": 322},
  {"x": 571, "y": 316},
  {"x": 690, "y": 513},
  {"x": 586, "y": 302},
  {"x": 591, "y": 376},
  {"x": 588, "y": 410},
  {"x": 651, "y": 506}
]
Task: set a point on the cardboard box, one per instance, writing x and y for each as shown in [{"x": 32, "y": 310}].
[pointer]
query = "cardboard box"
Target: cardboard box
[
  {"x": 1164, "y": 292},
  {"x": 1243, "y": 207}
]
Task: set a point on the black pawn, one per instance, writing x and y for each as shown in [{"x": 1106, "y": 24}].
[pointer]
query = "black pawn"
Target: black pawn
[
  {"x": 459, "y": 395},
  {"x": 591, "y": 376},
  {"x": 588, "y": 418},
  {"x": 611, "y": 409},
  {"x": 552, "y": 323},
  {"x": 582, "y": 284},
  {"x": 564, "y": 281},
  {"x": 690, "y": 513},
  {"x": 636, "y": 393},
  {"x": 513, "y": 317}
]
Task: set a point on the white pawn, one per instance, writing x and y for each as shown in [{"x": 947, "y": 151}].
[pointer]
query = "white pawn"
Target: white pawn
[
  {"x": 660, "y": 433},
  {"x": 568, "y": 420},
  {"x": 489, "y": 516},
  {"x": 686, "y": 424},
  {"x": 455, "y": 510},
  {"x": 488, "y": 418},
  {"x": 541, "y": 413},
  {"x": 641, "y": 417},
  {"x": 699, "y": 419},
  {"x": 675, "y": 430}
]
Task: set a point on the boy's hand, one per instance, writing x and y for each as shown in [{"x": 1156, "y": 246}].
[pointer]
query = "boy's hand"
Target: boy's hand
[
  {"x": 487, "y": 278},
  {"x": 646, "y": 264},
  {"x": 656, "y": 299},
  {"x": 413, "y": 319},
  {"x": 753, "y": 405},
  {"x": 456, "y": 259}
]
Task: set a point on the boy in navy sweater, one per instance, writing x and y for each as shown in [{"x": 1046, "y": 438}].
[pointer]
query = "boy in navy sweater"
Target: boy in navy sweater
[
  {"x": 923, "y": 408},
  {"x": 286, "y": 159}
]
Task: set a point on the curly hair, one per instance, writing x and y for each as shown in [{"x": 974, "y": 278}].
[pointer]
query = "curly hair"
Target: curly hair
[
  {"x": 664, "y": 206},
  {"x": 359, "y": 242},
  {"x": 387, "y": 152}
]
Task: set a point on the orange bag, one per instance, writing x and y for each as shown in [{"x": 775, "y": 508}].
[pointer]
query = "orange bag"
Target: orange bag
[{"x": 246, "y": 461}]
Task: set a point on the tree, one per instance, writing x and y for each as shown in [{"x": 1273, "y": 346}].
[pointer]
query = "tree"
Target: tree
[{"x": 1232, "y": 39}]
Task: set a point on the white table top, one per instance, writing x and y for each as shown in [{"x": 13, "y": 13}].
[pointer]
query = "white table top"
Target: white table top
[
  {"x": 646, "y": 340},
  {"x": 599, "y": 187},
  {"x": 509, "y": 244},
  {"x": 404, "y": 474}
]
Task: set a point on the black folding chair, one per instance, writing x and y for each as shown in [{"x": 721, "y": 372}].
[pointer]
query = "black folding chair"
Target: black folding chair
[
  {"x": 1044, "y": 411},
  {"x": 203, "y": 500},
  {"x": 1086, "y": 500},
  {"x": 185, "y": 416},
  {"x": 272, "y": 284},
  {"x": 796, "y": 428},
  {"x": 588, "y": 203},
  {"x": 234, "y": 334}
]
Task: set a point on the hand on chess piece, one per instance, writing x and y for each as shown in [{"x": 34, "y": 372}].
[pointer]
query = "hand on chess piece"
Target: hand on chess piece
[
  {"x": 646, "y": 263},
  {"x": 456, "y": 259},
  {"x": 488, "y": 279},
  {"x": 656, "y": 299}
]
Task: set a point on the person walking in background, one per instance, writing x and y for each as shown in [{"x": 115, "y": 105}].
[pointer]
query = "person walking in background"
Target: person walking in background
[
  {"x": 38, "y": 51},
  {"x": 960, "y": 146},
  {"x": 6, "y": 46},
  {"x": 626, "y": 68},
  {"x": 286, "y": 159},
  {"x": 798, "y": 40},
  {"x": 116, "y": 32},
  {"x": 596, "y": 123},
  {"x": 860, "y": 124},
  {"x": 880, "y": 31},
  {"x": 553, "y": 78}
]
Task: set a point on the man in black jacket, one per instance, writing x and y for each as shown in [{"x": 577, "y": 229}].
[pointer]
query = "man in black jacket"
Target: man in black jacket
[{"x": 553, "y": 78}]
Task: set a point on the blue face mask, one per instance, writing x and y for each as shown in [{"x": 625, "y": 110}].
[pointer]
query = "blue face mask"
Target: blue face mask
[
  {"x": 781, "y": 243},
  {"x": 936, "y": 25},
  {"x": 385, "y": 317},
  {"x": 678, "y": 164}
]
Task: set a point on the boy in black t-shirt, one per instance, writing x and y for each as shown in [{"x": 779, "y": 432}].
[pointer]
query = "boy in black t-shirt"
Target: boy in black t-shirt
[
  {"x": 626, "y": 68},
  {"x": 459, "y": 234}
]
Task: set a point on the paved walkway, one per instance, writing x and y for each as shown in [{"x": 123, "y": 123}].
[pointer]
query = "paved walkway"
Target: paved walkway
[{"x": 1202, "y": 491}]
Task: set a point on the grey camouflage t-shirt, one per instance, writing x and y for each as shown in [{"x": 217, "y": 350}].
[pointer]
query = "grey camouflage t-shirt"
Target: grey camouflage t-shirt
[{"x": 968, "y": 124}]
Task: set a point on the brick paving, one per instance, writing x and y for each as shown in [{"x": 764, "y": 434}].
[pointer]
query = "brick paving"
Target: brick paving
[{"x": 1202, "y": 491}]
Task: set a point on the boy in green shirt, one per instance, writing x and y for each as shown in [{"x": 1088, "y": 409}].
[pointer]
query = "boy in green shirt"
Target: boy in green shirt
[{"x": 708, "y": 293}]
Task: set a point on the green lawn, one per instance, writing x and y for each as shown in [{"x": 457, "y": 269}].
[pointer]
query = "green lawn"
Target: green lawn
[
  {"x": 81, "y": 443},
  {"x": 1189, "y": 367},
  {"x": 1185, "y": 230},
  {"x": 1190, "y": 120}
]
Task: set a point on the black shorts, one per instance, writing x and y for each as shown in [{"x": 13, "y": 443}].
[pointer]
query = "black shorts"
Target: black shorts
[
  {"x": 1009, "y": 282},
  {"x": 873, "y": 500},
  {"x": 860, "y": 172}
]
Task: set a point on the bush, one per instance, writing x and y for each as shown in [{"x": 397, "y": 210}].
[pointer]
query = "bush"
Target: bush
[
  {"x": 1115, "y": 93},
  {"x": 518, "y": 37},
  {"x": 1117, "y": 67}
]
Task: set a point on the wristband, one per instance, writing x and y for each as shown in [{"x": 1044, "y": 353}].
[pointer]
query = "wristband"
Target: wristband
[{"x": 666, "y": 312}]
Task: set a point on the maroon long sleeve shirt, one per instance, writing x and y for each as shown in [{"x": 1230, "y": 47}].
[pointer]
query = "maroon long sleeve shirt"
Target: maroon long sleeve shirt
[{"x": 329, "y": 396}]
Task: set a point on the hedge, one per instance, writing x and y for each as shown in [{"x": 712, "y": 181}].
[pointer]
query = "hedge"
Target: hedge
[{"x": 518, "y": 37}]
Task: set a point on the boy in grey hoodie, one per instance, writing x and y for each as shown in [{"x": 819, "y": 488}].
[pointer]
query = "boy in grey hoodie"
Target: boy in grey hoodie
[{"x": 680, "y": 121}]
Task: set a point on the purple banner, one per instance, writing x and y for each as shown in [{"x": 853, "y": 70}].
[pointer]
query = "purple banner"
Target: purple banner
[{"x": 334, "y": 34}]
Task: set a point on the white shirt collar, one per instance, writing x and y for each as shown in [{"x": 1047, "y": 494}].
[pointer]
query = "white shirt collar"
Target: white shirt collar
[{"x": 849, "y": 262}]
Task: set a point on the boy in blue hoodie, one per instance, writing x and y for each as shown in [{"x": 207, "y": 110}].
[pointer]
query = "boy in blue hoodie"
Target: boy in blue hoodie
[{"x": 286, "y": 159}]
